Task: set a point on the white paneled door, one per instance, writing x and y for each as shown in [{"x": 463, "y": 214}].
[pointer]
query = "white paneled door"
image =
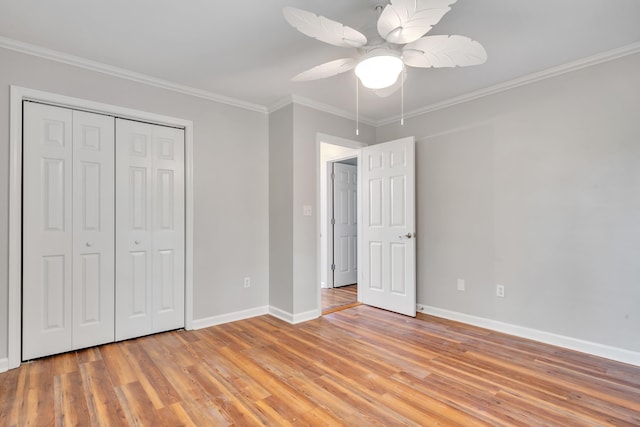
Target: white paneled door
[
  {"x": 388, "y": 258},
  {"x": 103, "y": 229},
  {"x": 150, "y": 228},
  {"x": 68, "y": 228},
  {"x": 93, "y": 229},
  {"x": 345, "y": 228}
]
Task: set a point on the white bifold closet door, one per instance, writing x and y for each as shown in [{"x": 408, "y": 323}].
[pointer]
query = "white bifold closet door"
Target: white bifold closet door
[
  {"x": 150, "y": 228},
  {"x": 68, "y": 229}
]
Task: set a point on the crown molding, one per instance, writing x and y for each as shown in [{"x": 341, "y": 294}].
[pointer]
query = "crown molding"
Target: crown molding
[
  {"x": 278, "y": 105},
  {"x": 99, "y": 67},
  {"x": 522, "y": 81},
  {"x": 57, "y": 56},
  {"x": 320, "y": 106}
]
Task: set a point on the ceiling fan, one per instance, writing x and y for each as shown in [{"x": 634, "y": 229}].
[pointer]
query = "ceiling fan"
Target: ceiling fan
[{"x": 380, "y": 62}]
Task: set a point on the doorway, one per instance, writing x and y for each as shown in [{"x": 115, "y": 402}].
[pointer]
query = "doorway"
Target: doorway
[
  {"x": 344, "y": 154},
  {"x": 386, "y": 268},
  {"x": 342, "y": 236}
]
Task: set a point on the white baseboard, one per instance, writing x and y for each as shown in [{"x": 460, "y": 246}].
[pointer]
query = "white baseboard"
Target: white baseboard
[
  {"x": 230, "y": 317},
  {"x": 253, "y": 312},
  {"x": 307, "y": 315},
  {"x": 601, "y": 350},
  {"x": 281, "y": 314},
  {"x": 4, "y": 365},
  {"x": 294, "y": 318}
]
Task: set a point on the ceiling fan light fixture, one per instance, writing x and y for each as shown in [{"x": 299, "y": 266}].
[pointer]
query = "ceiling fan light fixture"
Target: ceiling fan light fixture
[
  {"x": 379, "y": 71},
  {"x": 400, "y": 22}
]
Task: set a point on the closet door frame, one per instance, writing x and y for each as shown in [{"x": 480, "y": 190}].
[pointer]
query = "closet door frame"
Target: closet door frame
[{"x": 20, "y": 94}]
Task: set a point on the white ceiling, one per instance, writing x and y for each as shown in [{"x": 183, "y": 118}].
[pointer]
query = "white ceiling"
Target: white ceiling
[{"x": 244, "y": 49}]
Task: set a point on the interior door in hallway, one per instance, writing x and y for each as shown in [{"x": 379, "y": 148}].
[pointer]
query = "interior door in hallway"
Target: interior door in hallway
[
  {"x": 388, "y": 258},
  {"x": 345, "y": 227}
]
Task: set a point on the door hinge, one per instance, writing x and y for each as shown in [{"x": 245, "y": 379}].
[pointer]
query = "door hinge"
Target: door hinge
[
  {"x": 333, "y": 267},
  {"x": 333, "y": 176},
  {"x": 333, "y": 221}
]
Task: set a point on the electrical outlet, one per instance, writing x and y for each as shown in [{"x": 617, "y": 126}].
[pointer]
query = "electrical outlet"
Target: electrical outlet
[
  {"x": 500, "y": 291},
  {"x": 461, "y": 285},
  {"x": 247, "y": 282}
]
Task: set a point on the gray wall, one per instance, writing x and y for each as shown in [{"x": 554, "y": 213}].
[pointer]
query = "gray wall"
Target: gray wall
[
  {"x": 230, "y": 179},
  {"x": 307, "y": 123},
  {"x": 292, "y": 175},
  {"x": 280, "y": 209},
  {"x": 537, "y": 189}
]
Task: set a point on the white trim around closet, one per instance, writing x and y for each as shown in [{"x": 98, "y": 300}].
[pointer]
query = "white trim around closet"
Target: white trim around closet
[{"x": 18, "y": 95}]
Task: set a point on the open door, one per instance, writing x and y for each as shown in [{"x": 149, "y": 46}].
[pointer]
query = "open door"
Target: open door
[
  {"x": 345, "y": 224},
  {"x": 388, "y": 244}
]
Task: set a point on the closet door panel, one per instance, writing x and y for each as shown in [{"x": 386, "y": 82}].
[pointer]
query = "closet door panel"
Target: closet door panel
[
  {"x": 103, "y": 229},
  {"x": 134, "y": 243},
  {"x": 93, "y": 229},
  {"x": 149, "y": 229},
  {"x": 47, "y": 232},
  {"x": 168, "y": 228}
]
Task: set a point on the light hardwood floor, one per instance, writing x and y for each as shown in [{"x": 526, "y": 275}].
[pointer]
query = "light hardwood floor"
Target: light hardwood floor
[
  {"x": 356, "y": 367},
  {"x": 335, "y": 299}
]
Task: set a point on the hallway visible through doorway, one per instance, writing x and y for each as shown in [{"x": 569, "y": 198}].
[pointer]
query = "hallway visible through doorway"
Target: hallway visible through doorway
[{"x": 336, "y": 299}]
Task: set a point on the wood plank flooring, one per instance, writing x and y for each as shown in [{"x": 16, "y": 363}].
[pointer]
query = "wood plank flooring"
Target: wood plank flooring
[
  {"x": 356, "y": 367},
  {"x": 334, "y": 299}
]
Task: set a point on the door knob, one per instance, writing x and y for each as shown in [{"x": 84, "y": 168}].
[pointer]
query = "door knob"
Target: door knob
[
  {"x": 407, "y": 236},
  {"x": 137, "y": 242},
  {"x": 88, "y": 244}
]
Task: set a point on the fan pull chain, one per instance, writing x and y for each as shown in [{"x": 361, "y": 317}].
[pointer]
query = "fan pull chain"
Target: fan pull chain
[
  {"x": 402, "y": 99},
  {"x": 357, "y": 108}
]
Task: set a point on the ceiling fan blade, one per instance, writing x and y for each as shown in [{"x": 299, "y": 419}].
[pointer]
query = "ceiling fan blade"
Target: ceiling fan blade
[
  {"x": 443, "y": 51},
  {"x": 387, "y": 91},
  {"x": 323, "y": 29},
  {"x": 328, "y": 69},
  {"x": 404, "y": 21}
]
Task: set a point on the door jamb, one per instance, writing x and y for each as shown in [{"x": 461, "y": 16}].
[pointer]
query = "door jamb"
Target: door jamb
[
  {"x": 17, "y": 96},
  {"x": 329, "y": 234}
]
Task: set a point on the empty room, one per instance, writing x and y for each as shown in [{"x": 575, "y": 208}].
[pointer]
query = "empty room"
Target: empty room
[{"x": 304, "y": 213}]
